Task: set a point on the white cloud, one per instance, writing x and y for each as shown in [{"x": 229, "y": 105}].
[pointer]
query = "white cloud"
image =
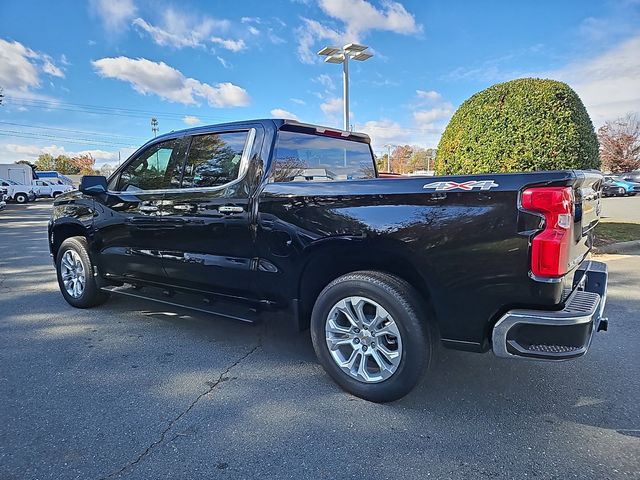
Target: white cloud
[
  {"x": 385, "y": 131},
  {"x": 179, "y": 30},
  {"x": 20, "y": 67},
  {"x": 359, "y": 17},
  {"x": 431, "y": 115},
  {"x": 159, "y": 78},
  {"x": 281, "y": 113},
  {"x": 311, "y": 32},
  {"x": 298, "y": 101},
  {"x": 609, "y": 84},
  {"x": 191, "y": 120},
  {"x": 253, "y": 30},
  {"x": 326, "y": 81},
  {"x": 332, "y": 107},
  {"x": 115, "y": 15},
  {"x": 13, "y": 152},
  {"x": 428, "y": 95},
  {"x": 223, "y": 62},
  {"x": 229, "y": 44}
]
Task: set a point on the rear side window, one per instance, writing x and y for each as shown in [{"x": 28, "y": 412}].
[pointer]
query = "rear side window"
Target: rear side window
[
  {"x": 214, "y": 159},
  {"x": 303, "y": 157}
]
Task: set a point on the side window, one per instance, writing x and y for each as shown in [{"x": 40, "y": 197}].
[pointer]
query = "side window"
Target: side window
[
  {"x": 153, "y": 169},
  {"x": 303, "y": 157},
  {"x": 214, "y": 159}
]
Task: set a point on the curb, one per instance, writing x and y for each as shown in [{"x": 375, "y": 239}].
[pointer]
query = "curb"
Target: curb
[{"x": 632, "y": 247}]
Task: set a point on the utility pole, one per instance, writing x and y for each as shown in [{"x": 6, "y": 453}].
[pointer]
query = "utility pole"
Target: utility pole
[
  {"x": 388, "y": 145},
  {"x": 154, "y": 126}
]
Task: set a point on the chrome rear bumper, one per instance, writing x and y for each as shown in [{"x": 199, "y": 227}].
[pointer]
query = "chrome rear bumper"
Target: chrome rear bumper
[{"x": 560, "y": 334}]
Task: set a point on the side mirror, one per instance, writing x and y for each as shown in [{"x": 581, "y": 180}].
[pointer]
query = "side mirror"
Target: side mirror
[{"x": 93, "y": 184}]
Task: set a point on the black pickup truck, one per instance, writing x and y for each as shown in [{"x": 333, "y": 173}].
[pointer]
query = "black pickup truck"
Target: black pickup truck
[{"x": 275, "y": 218}]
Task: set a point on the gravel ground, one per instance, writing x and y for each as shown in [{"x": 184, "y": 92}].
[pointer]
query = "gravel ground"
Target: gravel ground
[{"x": 129, "y": 390}]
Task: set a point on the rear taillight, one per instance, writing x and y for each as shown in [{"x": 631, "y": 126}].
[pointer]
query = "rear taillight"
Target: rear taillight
[{"x": 550, "y": 248}]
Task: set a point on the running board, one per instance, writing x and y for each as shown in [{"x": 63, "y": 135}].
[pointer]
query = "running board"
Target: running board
[{"x": 199, "y": 303}]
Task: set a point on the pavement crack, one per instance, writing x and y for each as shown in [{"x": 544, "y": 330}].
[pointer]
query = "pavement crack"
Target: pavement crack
[{"x": 212, "y": 385}]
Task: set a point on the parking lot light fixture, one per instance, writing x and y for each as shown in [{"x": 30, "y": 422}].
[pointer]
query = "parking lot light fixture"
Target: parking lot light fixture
[{"x": 353, "y": 51}]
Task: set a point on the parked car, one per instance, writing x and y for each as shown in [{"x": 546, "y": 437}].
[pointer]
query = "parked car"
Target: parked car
[
  {"x": 17, "y": 192},
  {"x": 631, "y": 176},
  {"x": 44, "y": 188},
  {"x": 222, "y": 219},
  {"x": 616, "y": 187}
]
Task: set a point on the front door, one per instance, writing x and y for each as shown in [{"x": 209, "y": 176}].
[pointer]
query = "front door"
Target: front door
[
  {"x": 130, "y": 227},
  {"x": 214, "y": 248}
]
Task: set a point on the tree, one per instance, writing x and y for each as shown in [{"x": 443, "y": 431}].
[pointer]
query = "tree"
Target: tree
[
  {"x": 400, "y": 157},
  {"x": 106, "y": 170},
  {"x": 1, "y": 95},
  {"x": 620, "y": 144},
  {"x": 523, "y": 125},
  {"x": 46, "y": 162},
  {"x": 84, "y": 164}
]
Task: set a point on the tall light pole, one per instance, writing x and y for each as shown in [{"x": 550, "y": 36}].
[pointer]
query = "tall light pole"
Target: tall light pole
[
  {"x": 154, "y": 126},
  {"x": 389, "y": 145},
  {"x": 342, "y": 55}
]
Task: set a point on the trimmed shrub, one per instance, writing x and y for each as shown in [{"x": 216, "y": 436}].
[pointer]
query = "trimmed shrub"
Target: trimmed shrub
[{"x": 523, "y": 125}]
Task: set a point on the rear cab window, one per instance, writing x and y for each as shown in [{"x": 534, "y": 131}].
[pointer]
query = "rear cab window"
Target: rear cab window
[{"x": 308, "y": 157}]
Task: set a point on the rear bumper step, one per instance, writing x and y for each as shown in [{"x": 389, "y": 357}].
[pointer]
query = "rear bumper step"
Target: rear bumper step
[{"x": 561, "y": 334}]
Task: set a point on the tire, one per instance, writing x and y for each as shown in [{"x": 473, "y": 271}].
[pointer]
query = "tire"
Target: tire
[
  {"x": 55, "y": 194},
  {"x": 21, "y": 198},
  {"x": 400, "y": 307},
  {"x": 621, "y": 191},
  {"x": 74, "y": 252}
]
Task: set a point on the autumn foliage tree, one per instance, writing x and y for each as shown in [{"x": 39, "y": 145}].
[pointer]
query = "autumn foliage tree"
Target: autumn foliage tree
[
  {"x": 79, "y": 165},
  {"x": 620, "y": 144}
]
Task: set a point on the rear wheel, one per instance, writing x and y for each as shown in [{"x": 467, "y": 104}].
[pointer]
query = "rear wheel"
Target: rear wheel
[
  {"x": 75, "y": 274},
  {"x": 21, "y": 198},
  {"x": 369, "y": 333}
]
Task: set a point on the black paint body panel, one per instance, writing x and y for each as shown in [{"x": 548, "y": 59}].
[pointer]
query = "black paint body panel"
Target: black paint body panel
[{"x": 467, "y": 252}]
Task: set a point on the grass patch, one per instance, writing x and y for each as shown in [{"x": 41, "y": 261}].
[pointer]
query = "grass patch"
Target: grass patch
[{"x": 607, "y": 233}]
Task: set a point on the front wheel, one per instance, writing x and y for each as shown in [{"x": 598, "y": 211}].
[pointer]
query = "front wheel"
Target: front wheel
[
  {"x": 75, "y": 274},
  {"x": 369, "y": 333},
  {"x": 621, "y": 191},
  {"x": 21, "y": 198}
]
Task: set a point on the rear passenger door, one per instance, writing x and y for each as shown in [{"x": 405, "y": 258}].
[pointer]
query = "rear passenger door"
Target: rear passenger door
[{"x": 213, "y": 250}]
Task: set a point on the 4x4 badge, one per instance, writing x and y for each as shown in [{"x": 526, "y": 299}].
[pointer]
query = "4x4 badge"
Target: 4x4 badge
[{"x": 470, "y": 185}]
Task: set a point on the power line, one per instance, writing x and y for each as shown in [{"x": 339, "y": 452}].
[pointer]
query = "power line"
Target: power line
[
  {"x": 73, "y": 140},
  {"x": 102, "y": 109},
  {"x": 84, "y": 132}
]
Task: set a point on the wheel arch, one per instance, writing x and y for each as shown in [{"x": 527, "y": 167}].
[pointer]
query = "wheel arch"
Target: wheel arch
[
  {"x": 334, "y": 259},
  {"x": 60, "y": 232}
]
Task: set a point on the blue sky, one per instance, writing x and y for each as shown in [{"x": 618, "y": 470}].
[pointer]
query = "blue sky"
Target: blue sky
[{"x": 89, "y": 76}]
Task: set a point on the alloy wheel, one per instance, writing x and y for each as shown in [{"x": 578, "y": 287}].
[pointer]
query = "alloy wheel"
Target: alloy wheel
[
  {"x": 363, "y": 339},
  {"x": 73, "y": 274}
]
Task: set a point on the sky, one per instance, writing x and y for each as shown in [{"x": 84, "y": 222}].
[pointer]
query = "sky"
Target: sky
[{"x": 88, "y": 76}]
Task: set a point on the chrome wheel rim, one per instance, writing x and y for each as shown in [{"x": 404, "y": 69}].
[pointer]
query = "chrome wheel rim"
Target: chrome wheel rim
[
  {"x": 363, "y": 339},
  {"x": 73, "y": 274}
]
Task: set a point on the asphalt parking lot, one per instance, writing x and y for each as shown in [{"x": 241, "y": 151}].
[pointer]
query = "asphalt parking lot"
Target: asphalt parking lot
[
  {"x": 621, "y": 209},
  {"x": 129, "y": 390}
]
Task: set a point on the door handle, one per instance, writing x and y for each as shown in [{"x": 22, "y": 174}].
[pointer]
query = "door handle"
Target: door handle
[
  {"x": 148, "y": 208},
  {"x": 230, "y": 209}
]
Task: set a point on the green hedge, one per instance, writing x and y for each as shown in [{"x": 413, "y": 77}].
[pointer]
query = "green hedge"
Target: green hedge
[{"x": 523, "y": 125}]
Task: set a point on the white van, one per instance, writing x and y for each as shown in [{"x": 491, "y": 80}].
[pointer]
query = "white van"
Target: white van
[{"x": 17, "y": 192}]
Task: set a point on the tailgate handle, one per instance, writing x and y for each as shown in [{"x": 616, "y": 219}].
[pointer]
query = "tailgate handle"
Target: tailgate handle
[{"x": 230, "y": 209}]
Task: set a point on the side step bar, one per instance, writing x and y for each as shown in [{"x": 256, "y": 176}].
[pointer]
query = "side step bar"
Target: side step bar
[{"x": 198, "y": 303}]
